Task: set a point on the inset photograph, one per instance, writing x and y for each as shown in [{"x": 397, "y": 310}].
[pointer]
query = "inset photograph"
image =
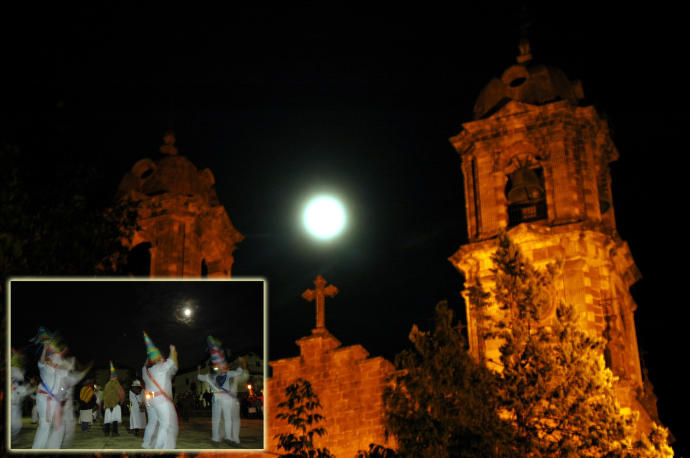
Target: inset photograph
[{"x": 130, "y": 365}]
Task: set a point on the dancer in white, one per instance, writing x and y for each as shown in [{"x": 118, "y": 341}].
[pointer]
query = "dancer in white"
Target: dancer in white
[
  {"x": 61, "y": 436},
  {"x": 158, "y": 374},
  {"x": 19, "y": 391},
  {"x": 152, "y": 424},
  {"x": 137, "y": 415},
  {"x": 223, "y": 385},
  {"x": 49, "y": 400}
]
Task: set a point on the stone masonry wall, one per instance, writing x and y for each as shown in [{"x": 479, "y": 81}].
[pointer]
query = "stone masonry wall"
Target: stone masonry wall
[{"x": 349, "y": 385}]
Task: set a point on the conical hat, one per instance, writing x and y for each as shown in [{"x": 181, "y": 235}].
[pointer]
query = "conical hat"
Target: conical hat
[
  {"x": 217, "y": 355},
  {"x": 17, "y": 359},
  {"x": 152, "y": 353},
  {"x": 51, "y": 341},
  {"x": 112, "y": 371}
]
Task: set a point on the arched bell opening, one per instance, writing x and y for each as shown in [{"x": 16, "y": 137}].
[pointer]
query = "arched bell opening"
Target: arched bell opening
[
  {"x": 139, "y": 260},
  {"x": 526, "y": 196},
  {"x": 604, "y": 191}
]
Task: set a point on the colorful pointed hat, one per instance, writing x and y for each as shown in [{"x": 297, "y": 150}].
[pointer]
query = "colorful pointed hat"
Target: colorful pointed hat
[
  {"x": 17, "y": 359},
  {"x": 112, "y": 371},
  {"x": 217, "y": 355},
  {"x": 152, "y": 353},
  {"x": 51, "y": 341}
]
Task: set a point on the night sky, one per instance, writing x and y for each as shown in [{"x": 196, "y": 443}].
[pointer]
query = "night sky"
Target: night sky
[
  {"x": 101, "y": 321},
  {"x": 281, "y": 103}
]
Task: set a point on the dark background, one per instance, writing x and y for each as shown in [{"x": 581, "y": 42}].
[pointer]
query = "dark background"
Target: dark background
[
  {"x": 281, "y": 102},
  {"x": 103, "y": 321}
]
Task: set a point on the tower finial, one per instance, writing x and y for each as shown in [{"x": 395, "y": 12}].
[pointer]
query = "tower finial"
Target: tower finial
[
  {"x": 524, "y": 46},
  {"x": 168, "y": 146}
]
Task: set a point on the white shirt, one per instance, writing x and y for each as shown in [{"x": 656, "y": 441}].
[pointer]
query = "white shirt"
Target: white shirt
[
  {"x": 162, "y": 373},
  {"x": 52, "y": 379},
  {"x": 232, "y": 380}
]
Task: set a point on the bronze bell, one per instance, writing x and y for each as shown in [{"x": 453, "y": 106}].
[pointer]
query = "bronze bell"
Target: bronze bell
[{"x": 525, "y": 187}]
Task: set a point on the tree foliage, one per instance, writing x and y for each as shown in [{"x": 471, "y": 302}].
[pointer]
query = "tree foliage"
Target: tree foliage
[
  {"x": 554, "y": 386},
  {"x": 377, "y": 451},
  {"x": 442, "y": 403},
  {"x": 299, "y": 410},
  {"x": 549, "y": 395},
  {"x": 57, "y": 223}
]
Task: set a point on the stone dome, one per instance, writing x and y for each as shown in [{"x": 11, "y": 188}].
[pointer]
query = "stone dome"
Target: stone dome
[
  {"x": 172, "y": 174},
  {"x": 527, "y": 82}
]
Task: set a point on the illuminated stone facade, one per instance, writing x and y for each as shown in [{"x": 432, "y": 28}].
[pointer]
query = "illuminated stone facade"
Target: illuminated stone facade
[
  {"x": 349, "y": 385},
  {"x": 535, "y": 162},
  {"x": 183, "y": 230}
]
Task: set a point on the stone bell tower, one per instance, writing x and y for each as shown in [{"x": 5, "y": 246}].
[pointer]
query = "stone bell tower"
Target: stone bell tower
[
  {"x": 183, "y": 231},
  {"x": 535, "y": 161}
]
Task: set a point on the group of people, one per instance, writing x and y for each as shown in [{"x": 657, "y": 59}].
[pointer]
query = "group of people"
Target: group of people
[{"x": 152, "y": 400}]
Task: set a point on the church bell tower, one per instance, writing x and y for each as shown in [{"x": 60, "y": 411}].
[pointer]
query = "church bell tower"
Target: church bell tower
[
  {"x": 181, "y": 228},
  {"x": 535, "y": 162}
]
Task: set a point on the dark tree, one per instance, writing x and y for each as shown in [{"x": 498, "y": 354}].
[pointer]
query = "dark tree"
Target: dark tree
[
  {"x": 553, "y": 386},
  {"x": 442, "y": 403},
  {"x": 58, "y": 222},
  {"x": 377, "y": 451},
  {"x": 300, "y": 411}
]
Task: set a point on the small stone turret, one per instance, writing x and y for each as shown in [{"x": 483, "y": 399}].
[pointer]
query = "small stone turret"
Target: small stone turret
[{"x": 183, "y": 231}]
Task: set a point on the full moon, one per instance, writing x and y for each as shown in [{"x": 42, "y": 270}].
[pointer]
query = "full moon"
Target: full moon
[{"x": 324, "y": 217}]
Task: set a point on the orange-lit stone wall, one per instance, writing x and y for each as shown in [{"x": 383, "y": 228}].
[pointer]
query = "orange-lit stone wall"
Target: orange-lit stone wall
[
  {"x": 349, "y": 385},
  {"x": 179, "y": 215},
  {"x": 570, "y": 143},
  {"x": 572, "y": 146}
]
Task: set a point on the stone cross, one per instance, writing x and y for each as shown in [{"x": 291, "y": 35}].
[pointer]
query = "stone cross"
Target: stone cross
[{"x": 319, "y": 293}]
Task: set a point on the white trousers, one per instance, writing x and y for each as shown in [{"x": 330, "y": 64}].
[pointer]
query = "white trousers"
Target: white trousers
[
  {"x": 235, "y": 420},
  {"x": 16, "y": 419},
  {"x": 47, "y": 409},
  {"x": 64, "y": 435},
  {"x": 150, "y": 430},
  {"x": 167, "y": 423},
  {"x": 221, "y": 408}
]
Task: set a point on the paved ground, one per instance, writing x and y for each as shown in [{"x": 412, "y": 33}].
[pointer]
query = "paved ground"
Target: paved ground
[{"x": 194, "y": 435}]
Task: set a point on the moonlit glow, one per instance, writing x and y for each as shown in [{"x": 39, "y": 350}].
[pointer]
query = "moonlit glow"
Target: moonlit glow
[
  {"x": 324, "y": 217},
  {"x": 185, "y": 310}
]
